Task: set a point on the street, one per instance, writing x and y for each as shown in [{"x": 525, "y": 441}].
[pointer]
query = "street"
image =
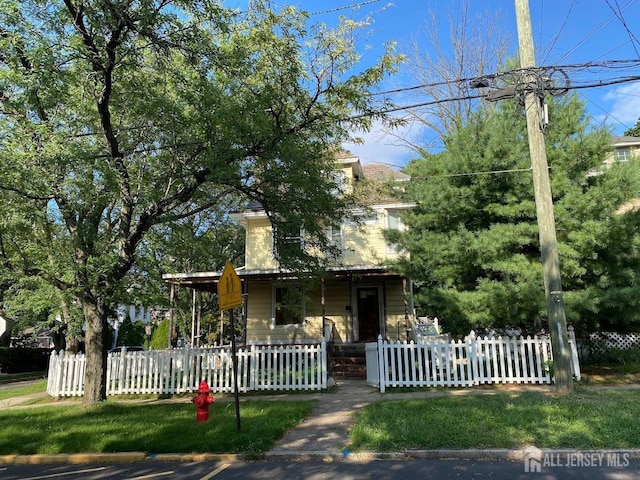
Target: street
[{"x": 315, "y": 470}]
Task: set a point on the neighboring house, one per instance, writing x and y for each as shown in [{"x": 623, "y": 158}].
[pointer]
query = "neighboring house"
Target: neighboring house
[
  {"x": 6, "y": 325},
  {"x": 359, "y": 299},
  {"x": 624, "y": 149}
]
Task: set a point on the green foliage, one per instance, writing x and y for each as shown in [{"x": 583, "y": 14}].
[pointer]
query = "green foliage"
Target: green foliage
[
  {"x": 19, "y": 360},
  {"x": 615, "y": 356},
  {"x": 634, "y": 131},
  {"x": 123, "y": 123},
  {"x": 160, "y": 336},
  {"x": 130, "y": 333},
  {"x": 473, "y": 237}
]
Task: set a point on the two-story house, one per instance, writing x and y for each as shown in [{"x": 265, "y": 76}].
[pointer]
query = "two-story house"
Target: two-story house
[
  {"x": 358, "y": 299},
  {"x": 624, "y": 149}
]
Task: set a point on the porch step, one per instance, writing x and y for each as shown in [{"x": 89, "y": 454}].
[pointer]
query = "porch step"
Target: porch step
[{"x": 348, "y": 361}]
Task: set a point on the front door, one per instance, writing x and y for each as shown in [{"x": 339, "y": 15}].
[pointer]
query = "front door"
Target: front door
[{"x": 368, "y": 304}]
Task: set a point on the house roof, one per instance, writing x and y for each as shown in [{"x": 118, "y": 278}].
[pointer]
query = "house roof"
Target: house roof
[
  {"x": 621, "y": 141},
  {"x": 382, "y": 173}
]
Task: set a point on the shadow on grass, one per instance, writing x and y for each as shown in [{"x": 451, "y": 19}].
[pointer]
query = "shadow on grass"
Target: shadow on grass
[{"x": 162, "y": 428}]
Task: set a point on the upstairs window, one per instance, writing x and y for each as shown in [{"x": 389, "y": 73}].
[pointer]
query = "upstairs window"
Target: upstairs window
[
  {"x": 340, "y": 180},
  {"x": 288, "y": 306},
  {"x": 622, "y": 154},
  {"x": 334, "y": 236},
  {"x": 288, "y": 239},
  {"x": 394, "y": 222}
]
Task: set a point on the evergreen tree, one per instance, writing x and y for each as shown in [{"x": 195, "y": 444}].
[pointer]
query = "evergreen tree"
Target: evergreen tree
[
  {"x": 634, "y": 131},
  {"x": 473, "y": 237}
]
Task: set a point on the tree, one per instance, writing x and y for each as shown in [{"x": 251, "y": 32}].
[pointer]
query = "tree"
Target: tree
[
  {"x": 130, "y": 333},
  {"x": 120, "y": 117},
  {"x": 445, "y": 66},
  {"x": 634, "y": 131},
  {"x": 473, "y": 237}
]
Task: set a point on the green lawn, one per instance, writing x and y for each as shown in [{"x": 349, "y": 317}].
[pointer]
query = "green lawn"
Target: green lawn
[
  {"x": 589, "y": 418},
  {"x": 148, "y": 428},
  {"x": 40, "y": 386}
]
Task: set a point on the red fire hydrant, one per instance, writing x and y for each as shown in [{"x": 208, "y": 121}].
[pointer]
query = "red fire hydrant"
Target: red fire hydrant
[{"x": 202, "y": 402}]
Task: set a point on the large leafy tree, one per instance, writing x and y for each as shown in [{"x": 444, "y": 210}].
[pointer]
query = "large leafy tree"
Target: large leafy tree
[
  {"x": 473, "y": 236},
  {"x": 117, "y": 117}
]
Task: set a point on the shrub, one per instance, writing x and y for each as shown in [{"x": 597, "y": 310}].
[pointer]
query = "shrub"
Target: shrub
[{"x": 20, "y": 360}]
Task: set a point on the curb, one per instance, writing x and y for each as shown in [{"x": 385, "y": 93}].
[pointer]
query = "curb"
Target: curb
[
  {"x": 308, "y": 456},
  {"x": 73, "y": 458}
]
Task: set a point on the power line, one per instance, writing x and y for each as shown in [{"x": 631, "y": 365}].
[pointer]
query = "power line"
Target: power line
[
  {"x": 518, "y": 90},
  {"x": 618, "y": 13},
  {"x": 611, "y": 64},
  {"x": 345, "y": 7}
]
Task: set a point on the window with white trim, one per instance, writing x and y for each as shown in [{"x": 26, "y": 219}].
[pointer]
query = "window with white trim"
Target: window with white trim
[
  {"x": 340, "y": 180},
  {"x": 334, "y": 236},
  {"x": 622, "y": 154},
  {"x": 394, "y": 222}
]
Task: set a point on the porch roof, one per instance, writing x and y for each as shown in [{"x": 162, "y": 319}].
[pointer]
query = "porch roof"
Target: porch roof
[{"x": 207, "y": 280}]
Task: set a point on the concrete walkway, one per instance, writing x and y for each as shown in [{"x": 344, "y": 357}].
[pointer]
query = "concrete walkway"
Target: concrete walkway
[
  {"x": 326, "y": 430},
  {"x": 325, "y": 433}
]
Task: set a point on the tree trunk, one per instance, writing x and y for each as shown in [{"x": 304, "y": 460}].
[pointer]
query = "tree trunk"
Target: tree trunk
[{"x": 95, "y": 378}]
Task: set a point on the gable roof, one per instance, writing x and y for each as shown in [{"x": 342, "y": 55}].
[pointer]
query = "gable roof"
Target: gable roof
[
  {"x": 383, "y": 173},
  {"x": 624, "y": 140}
]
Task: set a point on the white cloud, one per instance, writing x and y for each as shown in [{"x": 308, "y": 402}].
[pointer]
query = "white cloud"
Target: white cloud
[
  {"x": 381, "y": 147},
  {"x": 625, "y": 103}
]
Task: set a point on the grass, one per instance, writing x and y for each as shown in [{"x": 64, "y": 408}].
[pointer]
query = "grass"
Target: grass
[
  {"x": 149, "y": 428},
  {"x": 593, "y": 417},
  {"x": 589, "y": 418},
  {"x": 39, "y": 387}
]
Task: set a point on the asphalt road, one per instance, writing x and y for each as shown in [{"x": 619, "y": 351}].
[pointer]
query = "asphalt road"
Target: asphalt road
[{"x": 270, "y": 470}]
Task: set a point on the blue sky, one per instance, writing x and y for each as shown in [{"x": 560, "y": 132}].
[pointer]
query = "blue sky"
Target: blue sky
[{"x": 565, "y": 32}]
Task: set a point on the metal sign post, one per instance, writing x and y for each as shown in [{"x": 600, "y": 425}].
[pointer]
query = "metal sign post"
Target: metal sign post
[{"x": 230, "y": 296}]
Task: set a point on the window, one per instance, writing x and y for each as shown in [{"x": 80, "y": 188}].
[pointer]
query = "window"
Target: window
[
  {"x": 622, "y": 154},
  {"x": 334, "y": 235},
  {"x": 288, "y": 239},
  {"x": 340, "y": 180},
  {"x": 288, "y": 306},
  {"x": 394, "y": 222}
]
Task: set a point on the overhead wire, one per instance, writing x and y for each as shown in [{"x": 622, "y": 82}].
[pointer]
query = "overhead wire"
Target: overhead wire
[{"x": 618, "y": 14}]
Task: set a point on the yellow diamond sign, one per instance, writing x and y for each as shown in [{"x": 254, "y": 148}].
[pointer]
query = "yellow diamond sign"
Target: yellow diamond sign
[{"x": 229, "y": 288}]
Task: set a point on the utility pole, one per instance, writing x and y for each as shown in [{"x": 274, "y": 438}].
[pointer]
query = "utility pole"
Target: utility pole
[{"x": 544, "y": 204}]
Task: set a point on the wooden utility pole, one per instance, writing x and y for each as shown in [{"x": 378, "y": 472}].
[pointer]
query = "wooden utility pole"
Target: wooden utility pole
[{"x": 544, "y": 204}]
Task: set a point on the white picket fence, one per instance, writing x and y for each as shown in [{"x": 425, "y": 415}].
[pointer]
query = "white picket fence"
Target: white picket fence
[
  {"x": 475, "y": 361},
  {"x": 281, "y": 367}
]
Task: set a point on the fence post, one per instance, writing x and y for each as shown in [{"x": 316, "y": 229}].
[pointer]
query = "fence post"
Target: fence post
[
  {"x": 574, "y": 352},
  {"x": 472, "y": 356},
  {"x": 253, "y": 368},
  {"x": 382, "y": 364},
  {"x": 323, "y": 366}
]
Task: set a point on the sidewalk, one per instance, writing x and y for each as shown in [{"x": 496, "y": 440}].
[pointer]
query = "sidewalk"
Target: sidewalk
[{"x": 325, "y": 434}]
